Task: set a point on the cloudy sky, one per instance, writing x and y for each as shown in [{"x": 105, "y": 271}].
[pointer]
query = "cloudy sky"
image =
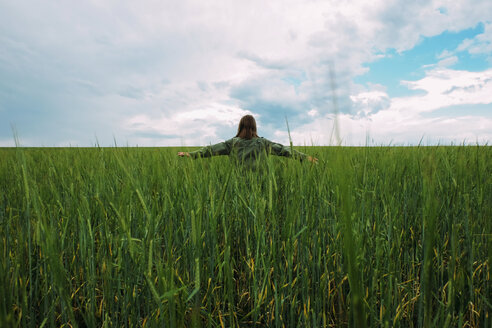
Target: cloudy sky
[{"x": 176, "y": 73}]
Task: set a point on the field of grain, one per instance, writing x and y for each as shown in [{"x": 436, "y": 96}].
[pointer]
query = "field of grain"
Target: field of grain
[{"x": 125, "y": 237}]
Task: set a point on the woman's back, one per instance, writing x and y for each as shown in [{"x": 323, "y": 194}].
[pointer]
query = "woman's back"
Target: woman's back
[
  {"x": 247, "y": 146},
  {"x": 246, "y": 150}
]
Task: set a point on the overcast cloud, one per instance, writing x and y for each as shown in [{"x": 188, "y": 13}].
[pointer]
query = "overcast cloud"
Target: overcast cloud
[{"x": 163, "y": 73}]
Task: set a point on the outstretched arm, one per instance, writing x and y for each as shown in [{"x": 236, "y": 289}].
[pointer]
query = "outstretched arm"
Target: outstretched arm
[
  {"x": 222, "y": 148},
  {"x": 281, "y": 150}
]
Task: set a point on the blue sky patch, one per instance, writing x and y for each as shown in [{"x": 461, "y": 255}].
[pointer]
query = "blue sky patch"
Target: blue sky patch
[{"x": 411, "y": 65}]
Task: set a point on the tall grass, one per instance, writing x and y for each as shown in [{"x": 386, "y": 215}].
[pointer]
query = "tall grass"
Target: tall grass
[{"x": 382, "y": 236}]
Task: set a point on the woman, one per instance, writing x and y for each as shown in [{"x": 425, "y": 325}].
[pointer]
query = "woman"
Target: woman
[{"x": 247, "y": 145}]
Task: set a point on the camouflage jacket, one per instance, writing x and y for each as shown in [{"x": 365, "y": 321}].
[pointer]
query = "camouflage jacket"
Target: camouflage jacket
[{"x": 247, "y": 150}]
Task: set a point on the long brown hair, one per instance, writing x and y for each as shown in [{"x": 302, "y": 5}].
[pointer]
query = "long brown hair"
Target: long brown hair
[{"x": 247, "y": 128}]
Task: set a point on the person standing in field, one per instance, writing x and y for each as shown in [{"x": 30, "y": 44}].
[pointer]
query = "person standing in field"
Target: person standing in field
[{"x": 247, "y": 146}]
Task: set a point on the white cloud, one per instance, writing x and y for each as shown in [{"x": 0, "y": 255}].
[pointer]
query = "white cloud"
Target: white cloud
[
  {"x": 313, "y": 112},
  {"x": 7, "y": 143},
  {"x": 445, "y": 87},
  {"x": 191, "y": 128},
  {"x": 448, "y": 61},
  {"x": 386, "y": 127},
  {"x": 369, "y": 102},
  {"x": 74, "y": 70},
  {"x": 404, "y": 120}
]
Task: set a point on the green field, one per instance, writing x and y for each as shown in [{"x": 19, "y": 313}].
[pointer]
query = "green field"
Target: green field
[{"x": 370, "y": 236}]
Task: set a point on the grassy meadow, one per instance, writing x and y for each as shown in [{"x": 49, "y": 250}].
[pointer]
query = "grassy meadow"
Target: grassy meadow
[{"x": 130, "y": 237}]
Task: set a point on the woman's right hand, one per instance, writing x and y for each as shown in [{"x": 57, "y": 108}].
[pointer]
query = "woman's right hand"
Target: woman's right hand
[
  {"x": 183, "y": 154},
  {"x": 312, "y": 159}
]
